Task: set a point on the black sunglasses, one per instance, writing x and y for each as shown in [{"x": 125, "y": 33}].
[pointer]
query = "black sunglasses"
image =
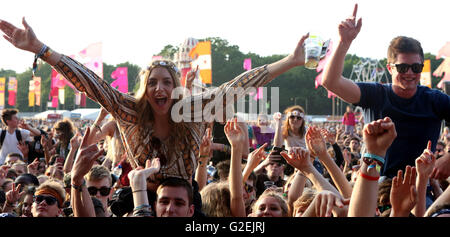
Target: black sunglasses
[
  {"x": 292, "y": 117},
  {"x": 104, "y": 191},
  {"x": 48, "y": 199},
  {"x": 403, "y": 67}
]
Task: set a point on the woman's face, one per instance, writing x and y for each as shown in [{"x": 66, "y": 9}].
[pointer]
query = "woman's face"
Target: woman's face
[
  {"x": 159, "y": 90},
  {"x": 268, "y": 207},
  {"x": 295, "y": 120}
]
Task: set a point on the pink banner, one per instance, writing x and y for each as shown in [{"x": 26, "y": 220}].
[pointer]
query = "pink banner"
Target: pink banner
[
  {"x": 248, "y": 64},
  {"x": 121, "y": 79}
]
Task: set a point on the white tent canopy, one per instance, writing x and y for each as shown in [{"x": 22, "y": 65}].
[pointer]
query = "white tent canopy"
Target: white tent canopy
[
  {"x": 90, "y": 114},
  {"x": 43, "y": 115}
]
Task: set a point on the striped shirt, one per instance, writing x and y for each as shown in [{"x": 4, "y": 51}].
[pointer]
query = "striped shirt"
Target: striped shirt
[{"x": 137, "y": 140}]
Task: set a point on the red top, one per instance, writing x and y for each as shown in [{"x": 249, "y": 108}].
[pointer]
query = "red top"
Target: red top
[{"x": 349, "y": 119}]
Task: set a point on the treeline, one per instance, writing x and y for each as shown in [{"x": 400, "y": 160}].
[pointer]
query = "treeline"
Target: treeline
[{"x": 296, "y": 86}]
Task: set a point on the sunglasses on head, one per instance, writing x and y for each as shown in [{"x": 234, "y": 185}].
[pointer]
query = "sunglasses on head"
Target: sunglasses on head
[
  {"x": 104, "y": 191},
  {"x": 164, "y": 63},
  {"x": 403, "y": 67},
  {"x": 48, "y": 199}
]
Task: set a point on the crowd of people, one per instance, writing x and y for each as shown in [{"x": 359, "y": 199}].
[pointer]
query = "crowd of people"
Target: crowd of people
[{"x": 395, "y": 162}]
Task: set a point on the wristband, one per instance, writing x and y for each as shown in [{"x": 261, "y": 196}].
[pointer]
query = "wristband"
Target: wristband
[
  {"x": 374, "y": 157},
  {"x": 36, "y": 56},
  {"x": 368, "y": 177},
  {"x": 47, "y": 53},
  {"x": 79, "y": 188}
]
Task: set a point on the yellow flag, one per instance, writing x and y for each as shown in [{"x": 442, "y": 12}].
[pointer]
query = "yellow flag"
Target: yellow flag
[
  {"x": 425, "y": 77},
  {"x": 31, "y": 97}
]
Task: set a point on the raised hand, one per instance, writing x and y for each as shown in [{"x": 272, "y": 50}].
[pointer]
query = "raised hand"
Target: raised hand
[
  {"x": 425, "y": 162},
  {"x": 21, "y": 38},
  {"x": 298, "y": 56},
  {"x": 326, "y": 201},
  {"x": 234, "y": 133},
  {"x": 33, "y": 167},
  {"x": 315, "y": 141},
  {"x": 277, "y": 117},
  {"x": 205, "y": 146},
  {"x": 330, "y": 137},
  {"x": 86, "y": 157},
  {"x": 255, "y": 157},
  {"x": 298, "y": 158},
  {"x": 190, "y": 77},
  {"x": 22, "y": 124},
  {"x": 403, "y": 192},
  {"x": 349, "y": 28},
  {"x": 23, "y": 147},
  {"x": 379, "y": 135},
  {"x": 13, "y": 195},
  {"x": 138, "y": 177},
  {"x": 75, "y": 141}
]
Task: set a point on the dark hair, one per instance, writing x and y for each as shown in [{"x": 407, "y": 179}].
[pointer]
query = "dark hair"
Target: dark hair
[
  {"x": 28, "y": 179},
  {"x": 177, "y": 182},
  {"x": 66, "y": 127},
  {"x": 7, "y": 115},
  {"x": 403, "y": 44},
  {"x": 223, "y": 169}
]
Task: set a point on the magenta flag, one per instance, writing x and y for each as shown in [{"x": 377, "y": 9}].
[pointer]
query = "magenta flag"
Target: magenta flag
[
  {"x": 121, "y": 79},
  {"x": 248, "y": 64}
]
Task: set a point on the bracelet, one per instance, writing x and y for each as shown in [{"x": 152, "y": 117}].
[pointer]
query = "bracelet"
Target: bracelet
[
  {"x": 47, "y": 54},
  {"x": 142, "y": 190},
  {"x": 226, "y": 149},
  {"x": 368, "y": 177},
  {"x": 141, "y": 207},
  {"x": 79, "y": 188},
  {"x": 36, "y": 56},
  {"x": 375, "y": 157},
  {"x": 143, "y": 213}
]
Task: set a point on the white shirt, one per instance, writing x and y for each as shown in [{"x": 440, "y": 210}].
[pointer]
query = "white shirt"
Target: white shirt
[{"x": 10, "y": 144}]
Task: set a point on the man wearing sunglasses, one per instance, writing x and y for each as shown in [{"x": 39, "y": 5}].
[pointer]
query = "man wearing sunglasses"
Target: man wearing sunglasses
[
  {"x": 99, "y": 182},
  {"x": 48, "y": 200},
  {"x": 416, "y": 111}
]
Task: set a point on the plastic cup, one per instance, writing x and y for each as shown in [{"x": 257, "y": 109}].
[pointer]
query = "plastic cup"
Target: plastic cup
[{"x": 313, "y": 49}]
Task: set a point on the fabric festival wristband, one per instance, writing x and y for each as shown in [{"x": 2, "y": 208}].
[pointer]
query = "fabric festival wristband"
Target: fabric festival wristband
[
  {"x": 368, "y": 177},
  {"x": 375, "y": 157}
]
